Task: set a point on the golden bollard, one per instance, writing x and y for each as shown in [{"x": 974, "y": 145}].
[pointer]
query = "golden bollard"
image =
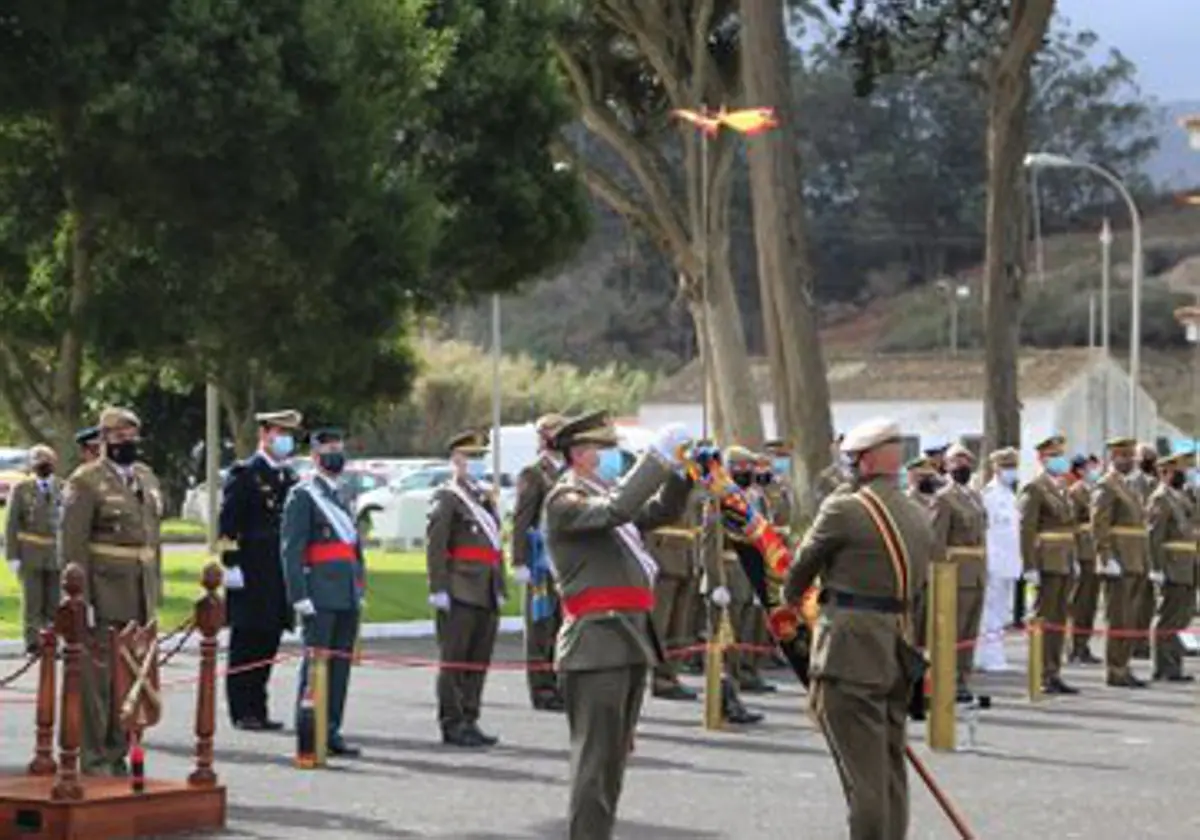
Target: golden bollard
[
  {"x": 714, "y": 669},
  {"x": 1036, "y": 651},
  {"x": 943, "y": 641},
  {"x": 320, "y": 678}
]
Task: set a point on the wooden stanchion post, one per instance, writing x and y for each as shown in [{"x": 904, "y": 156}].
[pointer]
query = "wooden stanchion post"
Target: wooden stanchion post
[
  {"x": 320, "y": 678},
  {"x": 209, "y": 616},
  {"x": 714, "y": 669},
  {"x": 1036, "y": 632},
  {"x": 943, "y": 642},
  {"x": 43, "y": 763},
  {"x": 70, "y": 622}
]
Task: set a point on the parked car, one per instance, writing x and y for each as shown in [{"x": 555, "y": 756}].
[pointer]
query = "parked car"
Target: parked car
[
  {"x": 14, "y": 467},
  {"x": 396, "y": 513}
]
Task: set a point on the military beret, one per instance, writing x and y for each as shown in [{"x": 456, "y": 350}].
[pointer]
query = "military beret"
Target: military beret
[
  {"x": 595, "y": 427},
  {"x": 115, "y": 417},
  {"x": 327, "y": 434},
  {"x": 42, "y": 454},
  {"x": 871, "y": 434},
  {"x": 288, "y": 419},
  {"x": 1046, "y": 444},
  {"x": 469, "y": 442},
  {"x": 89, "y": 435},
  {"x": 1120, "y": 443},
  {"x": 1006, "y": 457},
  {"x": 957, "y": 450},
  {"x": 548, "y": 424}
]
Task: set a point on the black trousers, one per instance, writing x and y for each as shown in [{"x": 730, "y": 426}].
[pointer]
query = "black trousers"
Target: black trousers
[{"x": 247, "y": 690}]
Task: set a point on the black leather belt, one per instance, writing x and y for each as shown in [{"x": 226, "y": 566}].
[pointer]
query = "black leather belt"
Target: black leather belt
[{"x": 867, "y": 603}]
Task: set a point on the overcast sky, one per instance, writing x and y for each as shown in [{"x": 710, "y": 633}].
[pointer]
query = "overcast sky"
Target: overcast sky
[{"x": 1162, "y": 37}]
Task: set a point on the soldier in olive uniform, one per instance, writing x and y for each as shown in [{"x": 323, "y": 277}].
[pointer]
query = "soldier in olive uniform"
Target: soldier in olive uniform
[
  {"x": 1144, "y": 479},
  {"x": 531, "y": 567},
  {"x": 607, "y": 643},
  {"x": 111, "y": 513},
  {"x": 1119, "y": 530},
  {"x": 465, "y": 565},
  {"x": 1173, "y": 518},
  {"x": 744, "y": 580},
  {"x": 1048, "y": 535},
  {"x": 674, "y": 548},
  {"x": 325, "y": 573},
  {"x": 251, "y": 517},
  {"x": 922, "y": 482},
  {"x": 869, "y": 547},
  {"x": 1085, "y": 597},
  {"x": 960, "y": 529},
  {"x": 30, "y": 541}
]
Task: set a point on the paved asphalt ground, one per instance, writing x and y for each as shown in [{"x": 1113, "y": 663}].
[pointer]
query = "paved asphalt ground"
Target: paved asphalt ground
[{"x": 1108, "y": 764}]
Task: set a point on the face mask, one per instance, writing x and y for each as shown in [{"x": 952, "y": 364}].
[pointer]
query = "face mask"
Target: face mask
[
  {"x": 332, "y": 462},
  {"x": 927, "y": 485},
  {"x": 610, "y": 465},
  {"x": 961, "y": 475},
  {"x": 1178, "y": 480},
  {"x": 1093, "y": 476},
  {"x": 1122, "y": 465},
  {"x": 781, "y": 466},
  {"x": 123, "y": 453},
  {"x": 282, "y": 446},
  {"x": 43, "y": 470},
  {"x": 1008, "y": 477},
  {"x": 762, "y": 478},
  {"x": 743, "y": 479},
  {"x": 1148, "y": 465},
  {"x": 1057, "y": 465}
]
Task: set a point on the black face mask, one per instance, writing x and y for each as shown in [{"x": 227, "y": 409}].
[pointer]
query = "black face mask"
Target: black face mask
[
  {"x": 762, "y": 478},
  {"x": 123, "y": 453},
  {"x": 743, "y": 479},
  {"x": 43, "y": 470},
  {"x": 1148, "y": 465},
  {"x": 927, "y": 486},
  {"x": 961, "y": 475},
  {"x": 332, "y": 462},
  {"x": 1178, "y": 480}
]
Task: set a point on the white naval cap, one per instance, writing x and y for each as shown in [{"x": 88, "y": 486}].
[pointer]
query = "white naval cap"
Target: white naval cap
[{"x": 872, "y": 433}]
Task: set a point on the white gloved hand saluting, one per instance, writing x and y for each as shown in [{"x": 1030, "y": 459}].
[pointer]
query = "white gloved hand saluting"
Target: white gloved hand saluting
[
  {"x": 668, "y": 441},
  {"x": 1076, "y": 569},
  {"x": 234, "y": 578},
  {"x": 1156, "y": 578},
  {"x": 521, "y": 575},
  {"x": 440, "y": 601},
  {"x": 1111, "y": 568},
  {"x": 305, "y": 608},
  {"x": 1032, "y": 577},
  {"x": 720, "y": 596}
]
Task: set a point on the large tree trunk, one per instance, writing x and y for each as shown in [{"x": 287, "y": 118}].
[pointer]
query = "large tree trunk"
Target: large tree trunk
[
  {"x": 784, "y": 264},
  {"x": 1004, "y": 258}
]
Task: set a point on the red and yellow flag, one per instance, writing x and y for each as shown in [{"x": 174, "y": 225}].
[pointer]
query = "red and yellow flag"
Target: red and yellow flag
[{"x": 747, "y": 121}]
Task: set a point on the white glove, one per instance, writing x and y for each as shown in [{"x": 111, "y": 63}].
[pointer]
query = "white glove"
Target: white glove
[
  {"x": 305, "y": 608},
  {"x": 668, "y": 440},
  {"x": 234, "y": 578},
  {"x": 720, "y": 596},
  {"x": 521, "y": 575},
  {"x": 91, "y": 616},
  {"x": 500, "y": 602},
  {"x": 1076, "y": 570},
  {"x": 1111, "y": 568},
  {"x": 1156, "y": 578},
  {"x": 14, "y": 566},
  {"x": 1032, "y": 576},
  {"x": 440, "y": 601}
]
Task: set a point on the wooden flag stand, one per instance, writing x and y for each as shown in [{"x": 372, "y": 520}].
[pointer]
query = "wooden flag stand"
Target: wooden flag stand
[{"x": 53, "y": 800}]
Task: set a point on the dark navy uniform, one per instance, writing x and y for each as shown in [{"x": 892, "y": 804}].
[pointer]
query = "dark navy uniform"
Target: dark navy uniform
[{"x": 252, "y": 502}]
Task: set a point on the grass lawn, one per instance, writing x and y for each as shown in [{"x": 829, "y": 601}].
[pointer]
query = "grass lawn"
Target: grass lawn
[
  {"x": 177, "y": 529},
  {"x": 396, "y": 590}
]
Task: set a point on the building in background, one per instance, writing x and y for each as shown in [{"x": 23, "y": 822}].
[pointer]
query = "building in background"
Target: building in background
[{"x": 939, "y": 398}]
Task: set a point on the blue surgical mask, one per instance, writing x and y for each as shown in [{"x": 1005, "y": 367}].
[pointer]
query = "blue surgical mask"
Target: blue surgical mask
[
  {"x": 1058, "y": 465},
  {"x": 1194, "y": 477},
  {"x": 332, "y": 462},
  {"x": 282, "y": 446},
  {"x": 1093, "y": 476},
  {"x": 781, "y": 466},
  {"x": 611, "y": 465},
  {"x": 1008, "y": 477}
]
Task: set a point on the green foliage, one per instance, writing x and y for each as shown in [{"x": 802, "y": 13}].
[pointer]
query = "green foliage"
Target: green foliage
[{"x": 454, "y": 389}]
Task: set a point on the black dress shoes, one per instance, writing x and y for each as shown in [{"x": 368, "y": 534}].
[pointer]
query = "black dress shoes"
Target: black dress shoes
[
  {"x": 1126, "y": 681},
  {"x": 549, "y": 703},
  {"x": 339, "y": 747},
  {"x": 254, "y": 724},
  {"x": 1054, "y": 685},
  {"x": 675, "y": 691}
]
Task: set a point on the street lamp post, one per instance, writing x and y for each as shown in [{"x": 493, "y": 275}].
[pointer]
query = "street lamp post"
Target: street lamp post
[
  {"x": 1189, "y": 317},
  {"x": 954, "y": 294},
  {"x": 1053, "y": 161},
  {"x": 1106, "y": 241}
]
